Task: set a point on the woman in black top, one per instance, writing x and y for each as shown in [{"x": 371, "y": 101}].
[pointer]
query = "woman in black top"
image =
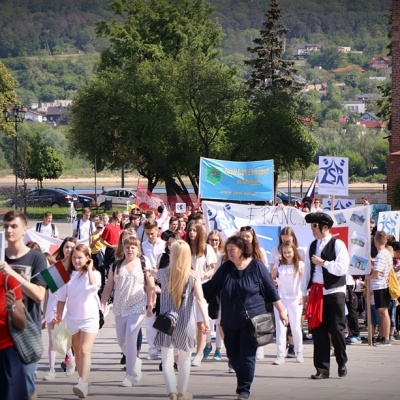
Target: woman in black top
[{"x": 248, "y": 278}]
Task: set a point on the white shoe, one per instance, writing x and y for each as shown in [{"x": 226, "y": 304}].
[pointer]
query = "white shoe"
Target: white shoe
[
  {"x": 299, "y": 358},
  {"x": 137, "y": 370},
  {"x": 50, "y": 376},
  {"x": 279, "y": 361},
  {"x": 70, "y": 369},
  {"x": 128, "y": 381},
  {"x": 260, "y": 353},
  {"x": 196, "y": 362},
  {"x": 81, "y": 389},
  {"x": 107, "y": 310}
]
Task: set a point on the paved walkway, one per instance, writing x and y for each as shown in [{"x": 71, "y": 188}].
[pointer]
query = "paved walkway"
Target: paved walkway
[{"x": 373, "y": 374}]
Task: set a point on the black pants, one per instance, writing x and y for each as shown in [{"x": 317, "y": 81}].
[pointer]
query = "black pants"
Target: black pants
[
  {"x": 332, "y": 328},
  {"x": 242, "y": 356},
  {"x": 109, "y": 258},
  {"x": 352, "y": 304}
]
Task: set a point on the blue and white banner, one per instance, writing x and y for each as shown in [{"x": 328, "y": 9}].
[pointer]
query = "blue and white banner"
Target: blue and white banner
[
  {"x": 339, "y": 204},
  {"x": 232, "y": 180},
  {"x": 333, "y": 176},
  {"x": 389, "y": 222},
  {"x": 350, "y": 225}
]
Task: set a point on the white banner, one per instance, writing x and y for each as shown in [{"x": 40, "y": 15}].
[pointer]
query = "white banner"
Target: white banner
[
  {"x": 339, "y": 204},
  {"x": 333, "y": 176},
  {"x": 350, "y": 225}
]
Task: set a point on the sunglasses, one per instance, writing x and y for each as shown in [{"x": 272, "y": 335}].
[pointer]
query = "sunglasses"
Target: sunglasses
[
  {"x": 315, "y": 225},
  {"x": 99, "y": 227},
  {"x": 245, "y": 228}
]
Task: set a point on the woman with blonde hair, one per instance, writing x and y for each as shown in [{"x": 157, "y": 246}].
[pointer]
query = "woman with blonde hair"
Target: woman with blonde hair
[
  {"x": 203, "y": 263},
  {"x": 182, "y": 287}
]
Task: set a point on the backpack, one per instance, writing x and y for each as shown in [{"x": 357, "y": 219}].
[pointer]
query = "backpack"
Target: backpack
[
  {"x": 78, "y": 232},
  {"x": 393, "y": 284},
  {"x": 53, "y": 228}
]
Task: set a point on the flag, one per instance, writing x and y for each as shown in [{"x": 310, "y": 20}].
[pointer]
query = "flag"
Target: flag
[
  {"x": 55, "y": 276},
  {"x": 311, "y": 190}
]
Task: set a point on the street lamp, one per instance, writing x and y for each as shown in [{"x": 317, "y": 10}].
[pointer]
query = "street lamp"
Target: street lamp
[{"x": 17, "y": 116}]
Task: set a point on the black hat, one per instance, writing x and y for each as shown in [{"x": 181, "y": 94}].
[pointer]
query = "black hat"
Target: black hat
[
  {"x": 320, "y": 218},
  {"x": 396, "y": 246}
]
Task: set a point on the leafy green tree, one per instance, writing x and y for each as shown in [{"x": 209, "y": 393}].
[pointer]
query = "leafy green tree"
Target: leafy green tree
[
  {"x": 7, "y": 95},
  {"x": 329, "y": 58},
  {"x": 356, "y": 162},
  {"x": 379, "y": 154}
]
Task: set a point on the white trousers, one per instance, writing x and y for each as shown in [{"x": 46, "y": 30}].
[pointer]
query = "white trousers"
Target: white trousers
[
  {"x": 167, "y": 354},
  {"x": 294, "y": 312},
  {"x": 151, "y": 335},
  {"x": 127, "y": 329}
]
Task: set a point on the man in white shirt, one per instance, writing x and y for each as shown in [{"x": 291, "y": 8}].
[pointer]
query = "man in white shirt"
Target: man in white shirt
[
  {"x": 83, "y": 228},
  {"x": 46, "y": 227},
  {"x": 152, "y": 248}
]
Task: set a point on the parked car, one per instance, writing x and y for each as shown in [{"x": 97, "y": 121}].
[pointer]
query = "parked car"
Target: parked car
[
  {"x": 284, "y": 197},
  {"x": 46, "y": 197},
  {"x": 118, "y": 196},
  {"x": 86, "y": 201}
]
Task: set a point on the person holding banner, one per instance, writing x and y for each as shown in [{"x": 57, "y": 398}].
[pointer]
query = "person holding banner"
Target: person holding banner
[
  {"x": 25, "y": 265},
  {"x": 242, "y": 279},
  {"x": 326, "y": 266}
]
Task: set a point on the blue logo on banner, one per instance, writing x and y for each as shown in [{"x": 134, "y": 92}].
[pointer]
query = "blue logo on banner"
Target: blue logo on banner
[{"x": 333, "y": 173}]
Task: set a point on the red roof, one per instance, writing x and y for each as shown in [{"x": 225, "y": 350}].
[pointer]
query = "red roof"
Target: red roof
[
  {"x": 377, "y": 58},
  {"x": 348, "y": 68},
  {"x": 374, "y": 124}
]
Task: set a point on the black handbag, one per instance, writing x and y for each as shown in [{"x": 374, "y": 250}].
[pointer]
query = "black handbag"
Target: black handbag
[
  {"x": 165, "y": 323},
  {"x": 261, "y": 326}
]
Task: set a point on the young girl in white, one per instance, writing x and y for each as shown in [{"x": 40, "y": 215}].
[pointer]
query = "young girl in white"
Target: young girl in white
[
  {"x": 50, "y": 310},
  {"x": 82, "y": 316},
  {"x": 288, "y": 273},
  {"x": 134, "y": 296}
]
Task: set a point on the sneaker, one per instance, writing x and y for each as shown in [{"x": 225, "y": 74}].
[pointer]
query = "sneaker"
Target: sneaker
[
  {"x": 299, "y": 358},
  {"x": 196, "y": 362},
  {"x": 243, "y": 396},
  {"x": 81, "y": 389},
  {"x": 382, "y": 342},
  {"x": 50, "y": 376},
  {"x": 217, "y": 355},
  {"x": 260, "y": 353},
  {"x": 176, "y": 368},
  {"x": 279, "y": 361},
  {"x": 128, "y": 381},
  {"x": 290, "y": 352},
  {"x": 207, "y": 351},
  {"x": 230, "y": 369},
  {"x": 70, "y": 369},
  {"x": 137, "y": 370},
  {"x": 391, "y": 337},
  {"x": 353, "y": 340}
]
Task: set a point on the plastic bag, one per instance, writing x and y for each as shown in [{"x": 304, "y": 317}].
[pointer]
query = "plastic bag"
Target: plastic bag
[{"x": 61, "y": 337}]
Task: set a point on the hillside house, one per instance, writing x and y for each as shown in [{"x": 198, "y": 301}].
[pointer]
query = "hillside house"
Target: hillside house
[
  {"x": 303, "y": 49},
  {"x": 378, "y": 63},
  {"x": 355, "y": 106},
  {"x": 344, "y": 49},
  {"x": 54, "y": 114},
  {"x": 43, "y": 107},
  {"x": 349, "y": 68},
  {"x": 371, "y": 121},
  {"x": 33, "y": 116}
]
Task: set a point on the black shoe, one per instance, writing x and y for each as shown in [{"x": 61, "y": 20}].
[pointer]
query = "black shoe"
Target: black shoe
[
  {"x": 160, "y": 366},
  {"x": 123, "y": 360},
  {"x": 175, "y": 366},
  {"x": 319, "y": 375},
  {"x": 342, "y": 371}
]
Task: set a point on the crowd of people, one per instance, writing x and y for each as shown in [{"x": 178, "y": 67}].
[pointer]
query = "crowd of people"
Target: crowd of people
[{"x": 143, "y": 264}]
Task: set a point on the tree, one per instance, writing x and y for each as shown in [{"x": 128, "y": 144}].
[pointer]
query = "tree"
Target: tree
[
  {"x": 275, "y": 130},
  {"x": 7, "y": 95},
  {"x": 270, "y": 70}
]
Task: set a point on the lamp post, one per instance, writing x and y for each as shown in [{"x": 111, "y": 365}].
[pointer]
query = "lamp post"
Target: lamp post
[{"x": 16, "y": 116}]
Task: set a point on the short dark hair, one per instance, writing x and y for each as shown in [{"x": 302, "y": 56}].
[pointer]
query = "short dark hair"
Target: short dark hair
[
  {"x": 237, "y": 241},
  {"x": 11, "y": 215}
]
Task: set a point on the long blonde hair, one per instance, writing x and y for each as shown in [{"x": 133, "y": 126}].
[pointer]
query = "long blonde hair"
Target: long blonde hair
[{"x": 180, "y": 270}]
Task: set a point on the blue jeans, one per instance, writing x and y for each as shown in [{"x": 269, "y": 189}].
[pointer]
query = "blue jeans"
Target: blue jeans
[
  {"x": 392, "y": 313},
  {"x": 242, "y": 356}
]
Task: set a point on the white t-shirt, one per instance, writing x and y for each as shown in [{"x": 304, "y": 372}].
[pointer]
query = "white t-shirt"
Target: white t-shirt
[
  {"x": 153, "y": 252},
  {"x": 45, "y": 229},
  {"x": 86, "y": 229},
  {"x": 383, "y": 263},
  {"x": 288, "y": 282},
  {"x": 200, "y": 265}
]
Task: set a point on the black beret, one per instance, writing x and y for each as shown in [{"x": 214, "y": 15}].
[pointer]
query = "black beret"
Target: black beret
[{"x": 320, "y": 218}]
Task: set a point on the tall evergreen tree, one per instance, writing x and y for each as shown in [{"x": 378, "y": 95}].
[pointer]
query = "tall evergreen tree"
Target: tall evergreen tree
[{"x": 270, "y": 70}]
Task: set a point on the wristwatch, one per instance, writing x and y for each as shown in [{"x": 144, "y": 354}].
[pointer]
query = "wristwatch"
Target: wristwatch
[{"x": 12, "y": 309}]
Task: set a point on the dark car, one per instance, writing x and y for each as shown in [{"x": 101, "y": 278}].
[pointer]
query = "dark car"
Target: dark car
[
  {"x": 284, "y": 197},
  {"x": 46, "y": 197},
  {"x": 85, "y": 201}
]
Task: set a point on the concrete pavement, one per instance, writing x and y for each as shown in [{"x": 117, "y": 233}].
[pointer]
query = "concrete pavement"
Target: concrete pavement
[{"x": 373, "y": 373}]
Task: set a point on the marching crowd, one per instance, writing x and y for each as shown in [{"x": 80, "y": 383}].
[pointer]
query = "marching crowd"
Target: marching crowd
[{"x": 152, "y": 264}]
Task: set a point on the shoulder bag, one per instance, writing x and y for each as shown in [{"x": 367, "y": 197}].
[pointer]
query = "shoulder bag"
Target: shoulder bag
[
  {"x": 261, "y": 326},
  {"x": 28, "y": 341}
]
